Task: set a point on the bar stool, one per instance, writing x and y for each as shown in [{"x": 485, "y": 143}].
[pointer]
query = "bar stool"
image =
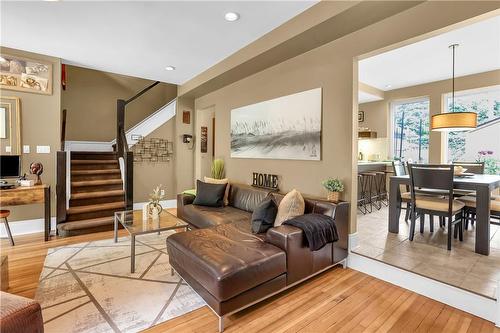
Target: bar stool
[
  {"x": 369, "y": 192},
  {"x": 382, "y": 188},
  {"x": 3, "y": 215},
  {"x": 361, "y": 198}
]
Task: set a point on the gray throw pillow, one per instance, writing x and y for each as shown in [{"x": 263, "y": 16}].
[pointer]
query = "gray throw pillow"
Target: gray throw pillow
[
  {"x": 263, "y": 216},
  {"x": 211, "y": 195}
]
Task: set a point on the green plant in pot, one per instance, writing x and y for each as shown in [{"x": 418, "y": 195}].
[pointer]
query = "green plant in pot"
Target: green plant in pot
[
  {"x": 217, "y": 171},
  {"x": 154, "y": 206},
  {"x": 334, "y": 186}
]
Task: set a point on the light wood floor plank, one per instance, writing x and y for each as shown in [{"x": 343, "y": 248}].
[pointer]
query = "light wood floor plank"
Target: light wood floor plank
[{"x": 339, "y": 300}]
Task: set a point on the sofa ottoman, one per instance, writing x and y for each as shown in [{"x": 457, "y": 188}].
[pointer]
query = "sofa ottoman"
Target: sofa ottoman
[
  {"x": 19, "y": 314},
  {"x": 226, "y": 261}
]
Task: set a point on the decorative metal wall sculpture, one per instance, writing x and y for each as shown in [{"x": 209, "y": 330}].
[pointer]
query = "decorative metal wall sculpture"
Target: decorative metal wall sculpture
[{"x": 153, "y": 150}]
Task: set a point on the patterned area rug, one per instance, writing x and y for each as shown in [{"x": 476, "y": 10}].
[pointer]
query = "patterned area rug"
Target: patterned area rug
[{"x": 88, "y": 287}]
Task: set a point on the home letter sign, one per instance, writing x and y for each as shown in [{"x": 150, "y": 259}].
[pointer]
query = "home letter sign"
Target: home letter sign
[{"x": 266, "y": 181}]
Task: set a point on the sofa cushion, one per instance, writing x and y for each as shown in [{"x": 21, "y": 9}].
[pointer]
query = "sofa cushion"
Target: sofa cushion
[
  {"x": 211, "y": 195},
  {"x": 264, "y": 215},
  {"x": 226, "y": 259},
  {"x": 205, "y": 217},
  {"x": 245, "y": 197},
  {"x": 220, "y": 181},
  {"x": 291, "y": 205}
]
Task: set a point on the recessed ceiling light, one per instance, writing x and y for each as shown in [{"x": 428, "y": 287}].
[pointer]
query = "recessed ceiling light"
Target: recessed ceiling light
[
  {"x": 388, "y": 86},
  {"x": 232, "y": 16},
  {"x": 170, "y": 68}
]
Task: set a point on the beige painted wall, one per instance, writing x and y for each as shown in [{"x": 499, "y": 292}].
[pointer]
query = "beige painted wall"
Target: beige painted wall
[
  {"x": 184, "y": 153},
  {"x": 334, "y": 68},
  {"x": 149, "y": 175},
  {"x": 377, "y": 113},
  {"x": 203, "y": 161},
  {"x": 40, "y": 125},
  {"x": 90, "y": 99}
]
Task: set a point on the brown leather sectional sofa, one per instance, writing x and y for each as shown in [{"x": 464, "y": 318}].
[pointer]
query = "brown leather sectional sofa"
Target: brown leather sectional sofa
[{"x": 231, "y": 268}]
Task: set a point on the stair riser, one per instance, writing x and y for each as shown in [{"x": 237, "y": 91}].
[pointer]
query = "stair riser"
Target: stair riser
[
  {"x": 92, "y": 215},
  {"x": 93, "y": 201},
  {"x": 94, "y": 166},
  {"x": 84, "y": 189},
  {"x": 77, "y": 178},
  {"x": 93, "y": 156}
]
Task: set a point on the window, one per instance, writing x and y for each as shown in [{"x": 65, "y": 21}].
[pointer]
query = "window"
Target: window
[
  {"x": 466, "y": 146},
  {"x": 410, "y": 130}
]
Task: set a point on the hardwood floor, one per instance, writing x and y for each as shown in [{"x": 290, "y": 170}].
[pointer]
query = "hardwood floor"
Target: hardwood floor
[{"x": 335, "y": 301}]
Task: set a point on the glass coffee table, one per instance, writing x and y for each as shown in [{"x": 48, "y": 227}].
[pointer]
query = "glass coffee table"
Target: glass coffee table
[{"x": 132, "y": 221}]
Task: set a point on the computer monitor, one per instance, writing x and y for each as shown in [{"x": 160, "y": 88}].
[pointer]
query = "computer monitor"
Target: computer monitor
[{"x": 10, "y": 166}]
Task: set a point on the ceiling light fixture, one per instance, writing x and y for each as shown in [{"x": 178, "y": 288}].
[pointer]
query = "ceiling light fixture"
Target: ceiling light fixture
[
  {"x": 453, "y": 121},
  {"x": 388, "y": 86},
  {"x": 170, "y": 68},
  {"x": 232, "y": 16}
]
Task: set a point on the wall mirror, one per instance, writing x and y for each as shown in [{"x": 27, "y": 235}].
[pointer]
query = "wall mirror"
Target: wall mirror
[{"x": 10, "y": 125}]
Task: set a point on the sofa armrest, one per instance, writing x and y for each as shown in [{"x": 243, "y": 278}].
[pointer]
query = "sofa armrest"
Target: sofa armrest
[
  {"x": 301, "y": 262},
  {"x": 285, "y": 237},
  {"x": 183, "y": 200}
]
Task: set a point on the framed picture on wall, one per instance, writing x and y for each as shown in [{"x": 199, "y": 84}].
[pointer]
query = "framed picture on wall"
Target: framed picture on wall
[
  {"x": 361, "y": 116},
  {"x": 22, "y": 74},
  {"x": 204, "y": 139},
  {"x": 287, "y": 128}
]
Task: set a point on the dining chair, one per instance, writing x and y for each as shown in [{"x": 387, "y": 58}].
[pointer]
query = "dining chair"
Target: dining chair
[
  {"x": 399, "y": 169},
  {"x": 437, "y": 179},
  {"x": 470, "y": 210},
  {"x": 476, "y": 168}
]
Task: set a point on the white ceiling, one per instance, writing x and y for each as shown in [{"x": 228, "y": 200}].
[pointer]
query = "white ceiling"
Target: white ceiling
[
  {"x": 364, "y": 97},
  {"x": 431, "y": 60},
  {"x": 141, "y": 38}
]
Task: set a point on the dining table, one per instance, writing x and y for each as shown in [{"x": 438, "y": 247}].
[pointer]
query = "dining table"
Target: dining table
[{"x": 483, "y": 185}]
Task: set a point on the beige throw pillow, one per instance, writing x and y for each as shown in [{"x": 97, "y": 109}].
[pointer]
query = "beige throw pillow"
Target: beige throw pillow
[
  {"x": 220, "y": 181},
  {"x": 291, "y": 205}
]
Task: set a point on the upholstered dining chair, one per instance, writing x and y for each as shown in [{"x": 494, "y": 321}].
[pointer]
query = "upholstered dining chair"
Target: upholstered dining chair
[
  {"x": 470, "y": 210},
  {"x": 476, "y": 168},
  {"x": 435, "y": 178},
  {"x": 399, "y": 169}
]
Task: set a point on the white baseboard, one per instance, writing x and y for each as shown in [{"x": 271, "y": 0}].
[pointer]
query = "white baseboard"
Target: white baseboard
[
  {"x": 477, "y": 305},
  {"x": 24, "y": 227}
]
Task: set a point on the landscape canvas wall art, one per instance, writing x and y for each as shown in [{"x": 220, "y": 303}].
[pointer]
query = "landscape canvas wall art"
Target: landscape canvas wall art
[
  {"x": 287, "y": 127},
  {"x": 23, "y": 74}
]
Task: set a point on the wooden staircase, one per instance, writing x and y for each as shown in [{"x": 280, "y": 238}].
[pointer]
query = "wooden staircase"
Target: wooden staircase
[{"x": 96, "y": 193}]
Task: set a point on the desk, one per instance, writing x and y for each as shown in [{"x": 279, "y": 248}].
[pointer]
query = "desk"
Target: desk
[
  {"x": 27, "y": 195},
  {"x": 482, "y": 184}
]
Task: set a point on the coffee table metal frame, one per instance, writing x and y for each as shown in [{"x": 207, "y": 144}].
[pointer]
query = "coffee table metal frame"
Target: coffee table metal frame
[{"x": 117, "y": 220}]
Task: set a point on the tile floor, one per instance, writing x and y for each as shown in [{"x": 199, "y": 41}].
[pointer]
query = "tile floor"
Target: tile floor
[{"x": 427, "y": 254}]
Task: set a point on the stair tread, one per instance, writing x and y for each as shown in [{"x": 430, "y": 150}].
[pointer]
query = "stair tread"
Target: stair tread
[
  {"x": 87, "y": 223},
  {"x": 94, "y": 172},
  {"x": 110, "y": 161},
  {"x": 96, "y": 182},
  {"x": 96, "y": 208},
  {"x": 97, "y": 194}
]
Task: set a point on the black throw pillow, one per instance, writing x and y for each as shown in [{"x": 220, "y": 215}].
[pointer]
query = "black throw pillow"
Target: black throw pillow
[
  {"x": 211, "y": 195},
  {"x": 264, "y": 215}
]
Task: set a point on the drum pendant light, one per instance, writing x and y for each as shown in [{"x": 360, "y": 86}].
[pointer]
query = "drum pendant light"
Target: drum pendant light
[{"x": 454, "y": 121}]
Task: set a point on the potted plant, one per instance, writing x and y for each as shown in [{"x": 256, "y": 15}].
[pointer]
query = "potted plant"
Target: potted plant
[
  {"x": 334, "y": 186},
  {"x": 154, "y": 205},
  {"x": 217, "y": 169}
]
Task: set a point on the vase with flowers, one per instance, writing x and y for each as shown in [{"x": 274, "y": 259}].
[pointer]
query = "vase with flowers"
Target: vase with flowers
[
  {"x": 334, "y": 186},
  {"x": 491, "y": 165},
  {"x": 154, "y": 205}
]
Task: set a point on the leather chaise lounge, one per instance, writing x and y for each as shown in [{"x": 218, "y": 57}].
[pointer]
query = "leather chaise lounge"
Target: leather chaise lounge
[{"x": 231, "y": 268}]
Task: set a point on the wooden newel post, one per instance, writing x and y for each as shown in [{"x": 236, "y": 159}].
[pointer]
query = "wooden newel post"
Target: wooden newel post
[{"x": 120, "y": 125}]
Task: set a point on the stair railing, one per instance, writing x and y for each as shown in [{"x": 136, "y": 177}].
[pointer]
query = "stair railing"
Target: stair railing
[
  {"x": 122, "y": 149},
  {"x": 62, "y": 167}
]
